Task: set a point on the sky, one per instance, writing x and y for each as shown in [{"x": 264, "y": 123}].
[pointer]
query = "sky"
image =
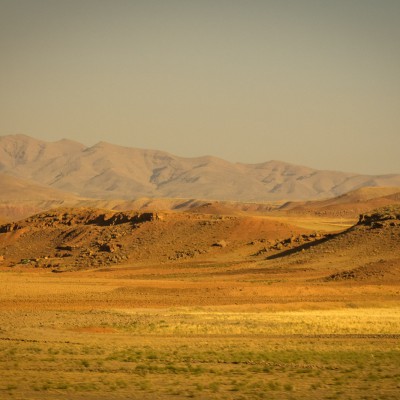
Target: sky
[{"x": 309, "y": 82}]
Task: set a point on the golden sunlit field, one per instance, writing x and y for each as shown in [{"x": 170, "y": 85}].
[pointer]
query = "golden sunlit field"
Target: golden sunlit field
[
  {"x": 313, "y": 316},
  {"x": 90, "y": 335}
]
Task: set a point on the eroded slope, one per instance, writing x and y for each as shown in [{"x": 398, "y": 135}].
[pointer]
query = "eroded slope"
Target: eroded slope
[{"x": 76, "y": 238}]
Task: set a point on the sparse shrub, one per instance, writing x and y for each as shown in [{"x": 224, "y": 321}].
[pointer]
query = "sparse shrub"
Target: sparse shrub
[
  {"x": 214, "y": 387},
  {"x": 272, "y": 385},
  {"x": 288, "y": 387},
  {"x": 144, "y": 385}
]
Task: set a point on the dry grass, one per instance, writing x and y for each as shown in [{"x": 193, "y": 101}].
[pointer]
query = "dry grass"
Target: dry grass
[
  {"x": 357, "y": 321},
  {"x": 200, "y": 353},
  {"x": 328, "y": 224},
  {"x": 207, "y": 330}
]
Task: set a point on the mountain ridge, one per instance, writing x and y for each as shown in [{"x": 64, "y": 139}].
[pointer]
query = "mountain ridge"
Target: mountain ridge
[{"x": 106, "y": 170}]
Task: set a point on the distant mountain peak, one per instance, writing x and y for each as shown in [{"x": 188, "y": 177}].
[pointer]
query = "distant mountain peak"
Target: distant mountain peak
[{"x": 107, "y": 170}]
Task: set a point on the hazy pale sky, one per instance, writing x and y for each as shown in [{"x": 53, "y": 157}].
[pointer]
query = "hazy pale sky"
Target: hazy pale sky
[{"x": 309, "y": 82}]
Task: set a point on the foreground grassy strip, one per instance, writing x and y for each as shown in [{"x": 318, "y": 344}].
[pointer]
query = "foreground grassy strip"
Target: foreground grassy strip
[
  {"x": 333, "y": 354},
  {"x": 351, "y": 321},
  {"x": 213, "y": 368}
]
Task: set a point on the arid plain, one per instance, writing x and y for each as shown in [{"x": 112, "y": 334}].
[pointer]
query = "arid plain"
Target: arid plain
[
  {"x": 208, "y": 303},
  {"x": 164, "y": 298}
]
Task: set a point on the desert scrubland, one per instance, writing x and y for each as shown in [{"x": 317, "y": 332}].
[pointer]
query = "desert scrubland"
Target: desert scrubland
[
  {"x": 193, "y": 305},
  {"x": 121, "y": 279}
]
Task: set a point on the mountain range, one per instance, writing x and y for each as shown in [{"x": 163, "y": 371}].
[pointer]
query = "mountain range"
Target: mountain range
[{"x": 109, "y": 171}]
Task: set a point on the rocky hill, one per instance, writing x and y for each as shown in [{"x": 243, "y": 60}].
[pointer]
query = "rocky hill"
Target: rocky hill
[
  {"x": 67, "y": 239},
  {"x": 370, "y": 250},
  {"x": 109, "y": 171}
]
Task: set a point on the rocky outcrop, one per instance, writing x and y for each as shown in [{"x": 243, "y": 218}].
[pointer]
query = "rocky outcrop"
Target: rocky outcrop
[
  {"x": 71, "y": 217},
  {"x": 381, "y": 217}
]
